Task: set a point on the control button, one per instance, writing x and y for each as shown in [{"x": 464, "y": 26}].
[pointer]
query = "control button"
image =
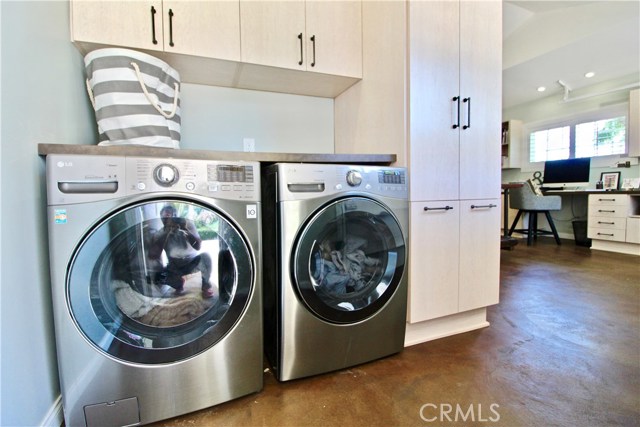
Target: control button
[
  {"x": 249, "y": 188},
  {"x": 141, "y": 186},
  {"x": 354, "y": 178},
  {"x": 213, "y": 187},
  {"x": 338, "y": 186},
  {"x": 166, "y": 175},
  {"x": 225, "y": 188},
  {"x": 190, "y": 186},
  {"x": 237, "y": 188}
]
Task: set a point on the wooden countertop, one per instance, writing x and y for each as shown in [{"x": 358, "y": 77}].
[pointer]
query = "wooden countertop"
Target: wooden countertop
[{"x": 143, "y": 151}]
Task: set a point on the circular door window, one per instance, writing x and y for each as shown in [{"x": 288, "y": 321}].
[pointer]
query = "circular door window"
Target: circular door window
[
  {"x": 349, "y": 259},
  {"x": 159, "y": 281}
]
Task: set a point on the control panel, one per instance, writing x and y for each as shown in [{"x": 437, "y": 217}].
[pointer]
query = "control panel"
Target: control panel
[
  {"x": 302, "y": 181},
  {"x": 218, "y": 179}
]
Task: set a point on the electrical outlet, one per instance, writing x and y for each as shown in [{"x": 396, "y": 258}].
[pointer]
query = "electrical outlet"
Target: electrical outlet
[{"x": 249, "y": 145}]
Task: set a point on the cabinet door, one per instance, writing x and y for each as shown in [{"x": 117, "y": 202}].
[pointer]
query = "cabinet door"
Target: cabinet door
[
  {"x": 270, "y": 31},
  {"x": 479, "y": 253},
  {"x": 433, "y": 83},
  {"x": 203, "y": 28},
  {"x": 122, "y": 23},
  {"x": 481, "y": 86},
  {"x": 433, "y": 271},
  {"x": 334, "y": 37}
]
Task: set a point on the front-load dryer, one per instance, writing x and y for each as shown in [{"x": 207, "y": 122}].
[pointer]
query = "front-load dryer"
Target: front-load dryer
[
  {"x": 156, "y": 285},
  {"x": 335, "y": 257}
]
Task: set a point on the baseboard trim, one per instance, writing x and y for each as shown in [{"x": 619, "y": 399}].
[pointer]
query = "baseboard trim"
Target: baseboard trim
[
  {"x": 55, "y": 416},
  {"x": 433, "y": 329}
]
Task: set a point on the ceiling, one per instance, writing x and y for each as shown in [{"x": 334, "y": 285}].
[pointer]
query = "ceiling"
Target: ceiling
[{"x": 547, "y": 41}]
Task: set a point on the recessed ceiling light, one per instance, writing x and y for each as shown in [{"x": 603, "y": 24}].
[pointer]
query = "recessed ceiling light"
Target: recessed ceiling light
[
  {"x": 590, "y": 74},
  {"x": 542, "y": 89}
]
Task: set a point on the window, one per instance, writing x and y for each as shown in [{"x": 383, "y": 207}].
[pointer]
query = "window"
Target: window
[
  {"x": 600, "y": 138},
  {"x": 580, "y": 139}
]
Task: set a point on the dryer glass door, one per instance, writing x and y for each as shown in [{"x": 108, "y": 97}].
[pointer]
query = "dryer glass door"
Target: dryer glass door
[
  {"x": 349, "y": 259},
  {"x": 160, "y": 281}
]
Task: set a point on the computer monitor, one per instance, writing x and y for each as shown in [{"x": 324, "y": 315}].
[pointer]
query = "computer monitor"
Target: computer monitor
[{"x": 560, "y": 174}]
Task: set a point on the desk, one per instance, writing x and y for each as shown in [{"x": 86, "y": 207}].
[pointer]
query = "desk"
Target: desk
[
  {"x": 507, "y": 242},
  {"x": 613, "y": 219}
]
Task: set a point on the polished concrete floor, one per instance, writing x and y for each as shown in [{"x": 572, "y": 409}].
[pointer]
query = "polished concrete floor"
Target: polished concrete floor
[{"x": 563, "y": 349}]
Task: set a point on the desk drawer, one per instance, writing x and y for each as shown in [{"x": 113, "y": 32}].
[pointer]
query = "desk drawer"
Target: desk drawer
[
  {"x": 606, "y": 234},
  {"x": 608, "y": 211},
  {"x": 608, "y": 223},
  {"x": 608, "y": 199}
]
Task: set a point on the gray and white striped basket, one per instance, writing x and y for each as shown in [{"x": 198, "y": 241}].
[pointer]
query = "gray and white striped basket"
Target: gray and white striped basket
[{"x": 136, "y": 98}]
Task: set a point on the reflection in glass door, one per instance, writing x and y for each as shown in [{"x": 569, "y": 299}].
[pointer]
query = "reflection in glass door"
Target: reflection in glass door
[{"x": 160, "y": 281}]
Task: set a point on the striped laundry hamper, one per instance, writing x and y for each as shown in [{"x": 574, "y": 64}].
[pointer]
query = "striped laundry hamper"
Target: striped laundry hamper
[{"x": 136, "y": 98}]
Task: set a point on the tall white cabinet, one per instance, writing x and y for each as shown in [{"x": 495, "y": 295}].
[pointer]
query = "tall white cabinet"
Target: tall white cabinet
[{"x": 449, "y": 90}]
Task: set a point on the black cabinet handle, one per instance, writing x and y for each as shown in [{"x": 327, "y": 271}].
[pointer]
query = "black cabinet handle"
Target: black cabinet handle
[
  {"x": 457, "y": 99},
  {"x": 170, "y": 27},
  {"x": 301, "y": 57},
  {"x": 443, "y": 208},
  {"x": 602, "y": 210},
  {"x": 604, "y": 222},
  {"x": 606, "y": 200},
  {"x": 605, "y": 234},
  {"x": 468, "y": 101},
  {"x": 313, "y": 43},
  {"x": 153, "y": 25},
  {"x": 484, "y": 206}
]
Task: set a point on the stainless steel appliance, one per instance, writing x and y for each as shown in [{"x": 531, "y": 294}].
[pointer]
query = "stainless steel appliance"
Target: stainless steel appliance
[
  {"x": 335, "y": 256},
  {"x": 156, "y": 285}
]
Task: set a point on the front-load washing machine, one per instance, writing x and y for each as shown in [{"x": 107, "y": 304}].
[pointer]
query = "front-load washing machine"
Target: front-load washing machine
[
  {"x": 335, "y": 257},
  {"x": 156, "y": 285}
]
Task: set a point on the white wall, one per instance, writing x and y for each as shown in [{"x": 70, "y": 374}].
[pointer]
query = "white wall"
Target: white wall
[
  {"x": 218, "y": 118},
  {"x": 44, "y": 101}
]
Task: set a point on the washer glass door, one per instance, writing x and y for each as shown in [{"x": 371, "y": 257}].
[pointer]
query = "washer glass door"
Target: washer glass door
[
  {"x": 159, "y": 281},
  {"x": 349, "y": 259}
]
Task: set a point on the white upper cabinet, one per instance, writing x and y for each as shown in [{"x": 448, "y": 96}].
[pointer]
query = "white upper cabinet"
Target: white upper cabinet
[
  {"x": 272, "y": 33},
  {"x": 481, "y": 87},
  {"x": 334, "y": 37},
  {"x": 204, "y": 28},
  {"x": 455, "y": 102},
  {"x": 122, "y": 23},
  {"x": 317, "y": 36},
  {"x": 434, "y": 84},
  {"x": 308, "y": 48}
]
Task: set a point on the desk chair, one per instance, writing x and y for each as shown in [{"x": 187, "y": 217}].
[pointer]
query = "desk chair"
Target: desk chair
[{"x": 527, "y": 200}]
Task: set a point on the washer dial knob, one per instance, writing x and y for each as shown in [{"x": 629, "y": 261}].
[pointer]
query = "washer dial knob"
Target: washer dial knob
[
  {"x": 354, "y": 178},
  {"x": 166, "y": 175}
]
